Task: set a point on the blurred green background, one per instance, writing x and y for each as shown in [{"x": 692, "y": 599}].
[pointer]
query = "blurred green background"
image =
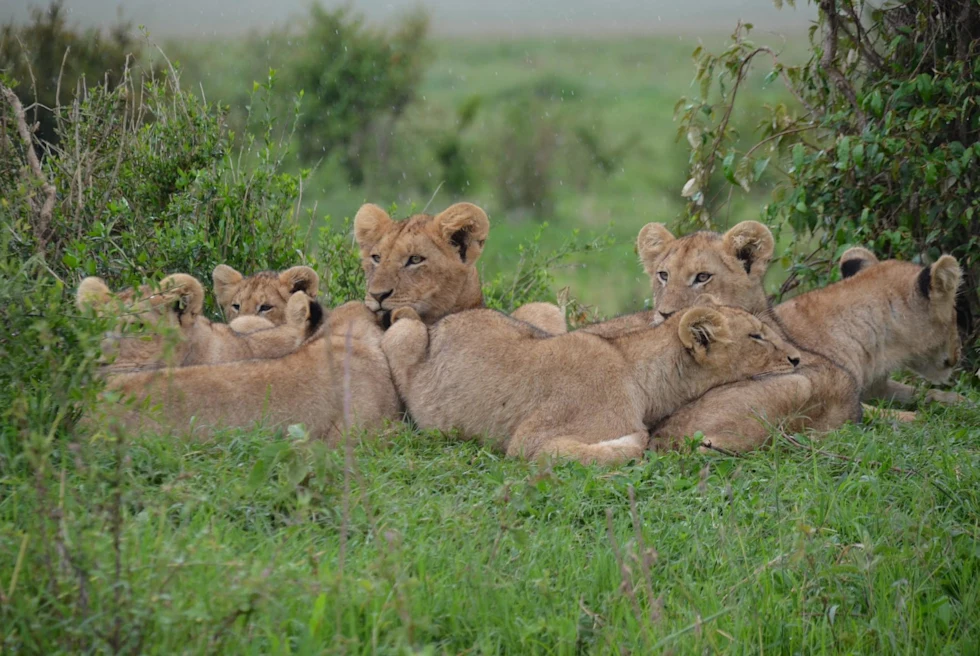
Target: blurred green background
[{"x": 563, "y": 114}]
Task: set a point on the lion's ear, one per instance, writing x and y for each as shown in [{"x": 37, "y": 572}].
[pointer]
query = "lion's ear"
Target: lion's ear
[
  {"x": 465, "y": 226},
  {"x": 653, "y": 240},
  {"x": 752, "y": 244},
  {"x": 302, "y": 309},
  {"x": 371, "y": 223},
  {"x": 185, "y": 292},
  {"x": 92, "y": 293},
  {"x": 940, "y": 282},
  {"x": 700, "y": 328},
  {"x": 856, "y": 259},
  {"x": 225, "y": 281},
  {"x": 301, "y": 279}
]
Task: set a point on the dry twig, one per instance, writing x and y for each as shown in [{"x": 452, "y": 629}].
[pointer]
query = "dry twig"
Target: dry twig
[{"x": 42, "y": 222}]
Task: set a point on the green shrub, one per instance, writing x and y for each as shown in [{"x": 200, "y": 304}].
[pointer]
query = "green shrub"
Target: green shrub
[
  {"x": 880, "y": 149},
  {"x": 52, "y": 61},
  {"x": 357, "y": 79},
  {"x": 145, "y": 182},
  {"x": 527, "y": 142}
]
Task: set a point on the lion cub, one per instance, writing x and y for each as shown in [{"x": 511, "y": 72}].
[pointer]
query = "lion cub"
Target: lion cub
[
  {"x": 264, "y": 294},
  {"x": 334, "y": 381},
  {"x": 180, "y": 335},
  {"x": 577, "y": 395},
  {"x": 883, "y": 316}
]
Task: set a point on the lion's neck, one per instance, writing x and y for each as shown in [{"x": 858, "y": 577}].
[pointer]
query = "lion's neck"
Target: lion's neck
[
  {"x": 471, "y": 295},
  {"x": 661, "y": 369},
  {"x": 855, "y": 338}
]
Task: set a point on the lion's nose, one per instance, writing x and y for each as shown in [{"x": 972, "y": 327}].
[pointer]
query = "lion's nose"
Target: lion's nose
[
  {"x": 381, "y": 296},
  {"x": 794, "y": 360}
]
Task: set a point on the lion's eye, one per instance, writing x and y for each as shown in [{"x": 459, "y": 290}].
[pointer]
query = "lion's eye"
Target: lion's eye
[
  {"x": 376, "y": 257},
  {"x": 756, "y": 336},
  {"x": 236, "y": 307},
  {"x": 662, "y": 275},
  {"x": 415, "y": 259},
  {"x": 702, "y": 277},
  {"x": 264, "y": 308}
]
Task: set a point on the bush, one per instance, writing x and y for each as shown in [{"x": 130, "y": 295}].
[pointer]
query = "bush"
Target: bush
[
  {"x": 357, "y": 78},
  {"x": 881, "y": 148},
  {"x": 52, "y": 61},
  {"x": 145, "y": 182},
  {"x": 527, "y": 143}
]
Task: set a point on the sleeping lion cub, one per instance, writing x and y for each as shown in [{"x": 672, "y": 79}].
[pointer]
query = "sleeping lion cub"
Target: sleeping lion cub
[
  {"x": 576, "y": 395},
  {"x": 180, "y": 334},
  {"x": 853, "y": 334}
]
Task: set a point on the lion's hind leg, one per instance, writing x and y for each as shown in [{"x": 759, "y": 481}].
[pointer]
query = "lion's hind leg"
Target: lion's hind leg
[
  {"x": 545, "y": 316},
  {"x": 617, "y": 451}
]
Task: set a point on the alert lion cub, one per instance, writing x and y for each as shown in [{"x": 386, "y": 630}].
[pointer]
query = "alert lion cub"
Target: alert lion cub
[
  {"x": 310, "y": 386},
  {"x": 264, "y": 294},
  {"x": 729, "y": 266},
  {"x": 428, "y": 263},
  {"x": 577, "y": 395},
  {"x": 853, "y": 335},
  {"x": 180, "y": 335}
]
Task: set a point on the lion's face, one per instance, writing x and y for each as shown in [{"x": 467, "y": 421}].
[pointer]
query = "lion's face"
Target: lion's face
[
  {"x": 733, "y": 342},
  {"x": 264, "y": 294},
  {"x": 152, "y": 321},
  {"x": 730, "y": 267},
  {"x": 424, "y": 262}
]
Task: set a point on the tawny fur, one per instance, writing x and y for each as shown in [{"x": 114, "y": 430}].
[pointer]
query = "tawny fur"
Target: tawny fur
[
  {"x": 307, "y": 386},
  {"x": 853, "y": 335},
  {"x": 428, "y": 263},
  {"x": 577, "y": 395},
  {"x": 425, "y": 262},
  {"x": 734, "y": 265},
  {"x": 165, "y": 326},
  {"x": 263, "y": 294}
]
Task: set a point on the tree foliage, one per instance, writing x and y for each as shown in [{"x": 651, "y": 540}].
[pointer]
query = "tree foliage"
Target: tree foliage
[
  {"x": 52, "y": 60},
  {"x": 880, "y": 147},
  {"x": 357, "y": 78}
]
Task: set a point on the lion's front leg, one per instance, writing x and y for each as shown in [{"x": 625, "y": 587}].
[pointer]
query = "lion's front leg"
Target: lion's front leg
[
  {"x": 405, "y": 344},
  {"x": 892, "y": 390},
  {"x": 739, "y": 417}
]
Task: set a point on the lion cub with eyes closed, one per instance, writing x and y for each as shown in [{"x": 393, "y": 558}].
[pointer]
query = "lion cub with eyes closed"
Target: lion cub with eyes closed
[{"x": 578, "y": 396}]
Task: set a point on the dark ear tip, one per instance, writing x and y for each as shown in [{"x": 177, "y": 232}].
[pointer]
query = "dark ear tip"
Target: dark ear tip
[
  {"x": 925, "y": 281},
  {"x": 850, "y": 267},
  {"x": 316, "y": 314}
]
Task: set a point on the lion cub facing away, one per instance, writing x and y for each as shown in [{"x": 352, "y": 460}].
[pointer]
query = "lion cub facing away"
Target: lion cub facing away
[
  {"x": 577, "y": 395},
  {"x": 176, "y": 308}
]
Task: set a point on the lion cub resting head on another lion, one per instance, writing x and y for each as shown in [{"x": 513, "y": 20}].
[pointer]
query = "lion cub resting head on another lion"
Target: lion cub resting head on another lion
[
  {"x": 577, "y": 395},
  {"x": 178, "y": 332},
  {"x": 264, "y": 294}
]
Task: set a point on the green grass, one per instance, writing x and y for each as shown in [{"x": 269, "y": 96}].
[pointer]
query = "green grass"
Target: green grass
[{"x": 249, "y": 543}]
